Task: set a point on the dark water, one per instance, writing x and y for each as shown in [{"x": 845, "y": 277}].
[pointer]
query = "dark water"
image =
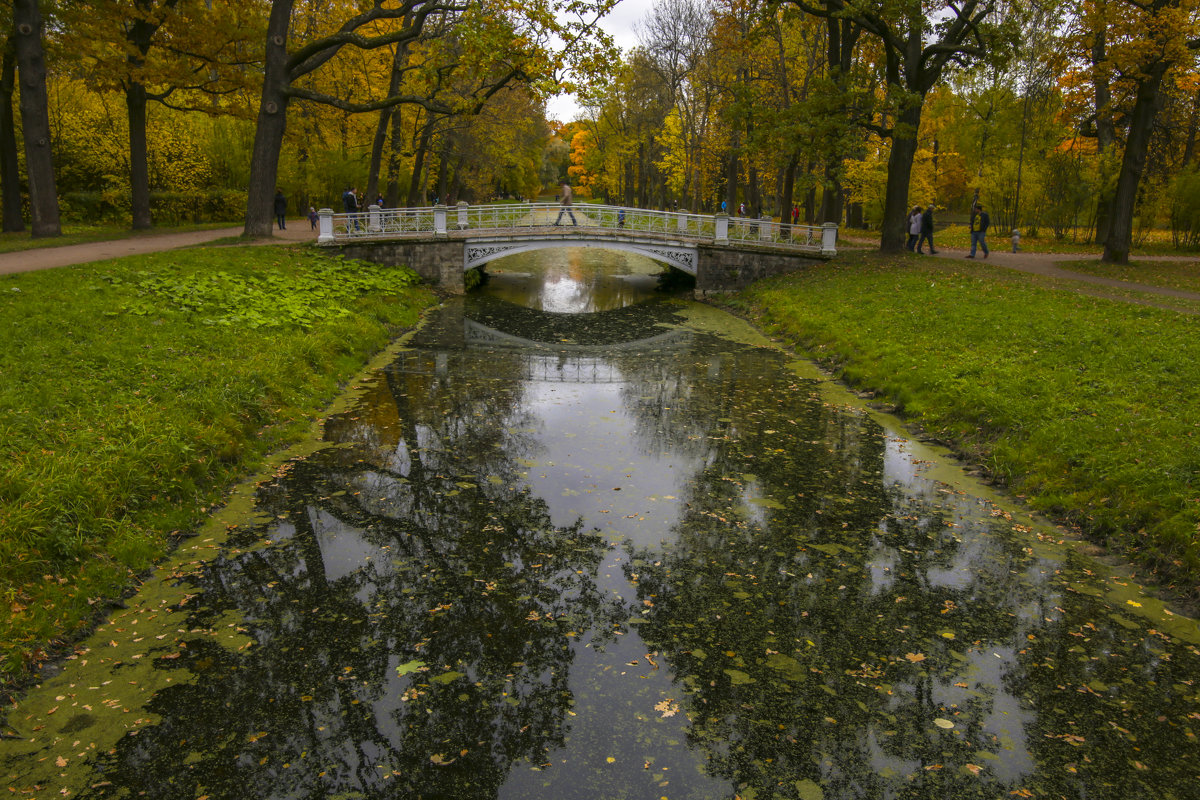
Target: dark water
[{"x": 617, "y": 555}]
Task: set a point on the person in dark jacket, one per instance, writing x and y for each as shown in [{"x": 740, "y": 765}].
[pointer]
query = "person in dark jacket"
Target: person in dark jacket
[
  {"x": 979, "y": 225},
  {"x": 280, "y": 209},
  {"x": 350, "y": 206},
  {"x": 927, "y": 230}
]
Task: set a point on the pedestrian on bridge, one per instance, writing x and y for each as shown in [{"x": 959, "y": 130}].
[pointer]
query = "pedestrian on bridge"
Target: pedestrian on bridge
[
  {"x": 566, "y": 206},
  {"x": 350, "y": 206}
]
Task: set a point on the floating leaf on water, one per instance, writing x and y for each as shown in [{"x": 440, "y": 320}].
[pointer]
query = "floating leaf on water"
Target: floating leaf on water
[
  {"x": 446, "y": 677},
  {"x": 943, "y": 723},
  {"x": 789, "y": 666},
  {"x": 808, "y": 790},
  {"x": 766, "y": 502},
  {"x": 738, "y": 677},
  {"x": 915, "y": 657},
  {"x": 411, "y": 666}
]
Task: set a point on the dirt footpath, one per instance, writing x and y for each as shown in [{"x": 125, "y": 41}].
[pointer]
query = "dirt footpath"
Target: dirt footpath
[
  {"x": 1045, "y": 265},
  {"x": 49, "y": 257}
]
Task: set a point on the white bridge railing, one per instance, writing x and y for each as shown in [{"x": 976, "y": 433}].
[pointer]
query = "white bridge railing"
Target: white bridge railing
[{"x": 390, "y": 223}]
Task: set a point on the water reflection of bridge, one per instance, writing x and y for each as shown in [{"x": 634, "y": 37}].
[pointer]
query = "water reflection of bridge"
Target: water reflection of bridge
[
  {"x": 543, "y": 361},
  {"x": 479, "y": 335}
]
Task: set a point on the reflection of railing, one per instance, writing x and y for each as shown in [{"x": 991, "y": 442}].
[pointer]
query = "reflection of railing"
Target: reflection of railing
[
  {"x": 389, "y": 223},
  {"x": 555, "y": 369}
]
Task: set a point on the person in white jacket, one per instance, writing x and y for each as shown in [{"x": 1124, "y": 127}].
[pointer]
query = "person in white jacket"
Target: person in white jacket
[{"x": 914, "y": 228}]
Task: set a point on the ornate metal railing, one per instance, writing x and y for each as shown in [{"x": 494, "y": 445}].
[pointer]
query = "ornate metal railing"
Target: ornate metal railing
[{"x": 389, "y": 223}]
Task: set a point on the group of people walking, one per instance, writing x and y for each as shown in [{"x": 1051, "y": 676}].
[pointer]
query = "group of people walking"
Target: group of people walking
[{"x": 920, "y": 230}]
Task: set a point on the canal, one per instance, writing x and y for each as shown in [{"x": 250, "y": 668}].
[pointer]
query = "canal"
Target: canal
[{"x": 581, "y": 537}]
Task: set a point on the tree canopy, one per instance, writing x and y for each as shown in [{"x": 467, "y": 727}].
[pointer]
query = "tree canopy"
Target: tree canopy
[{"x": 1074, "y": 117}]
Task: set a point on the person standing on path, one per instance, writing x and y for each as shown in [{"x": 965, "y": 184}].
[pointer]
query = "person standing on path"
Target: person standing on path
[
  {"x": 566, "y": 205},
  {"x": 313, "y": 216},
  {"x": 281, "y": 209},
  {"x": 979, "y": 225},
  {"x": 914, "y": 228},
  {"x": 927, "y": 230}
]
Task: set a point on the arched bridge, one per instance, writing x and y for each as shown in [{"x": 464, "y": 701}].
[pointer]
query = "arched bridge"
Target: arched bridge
[{"x": 441, "y": 243}]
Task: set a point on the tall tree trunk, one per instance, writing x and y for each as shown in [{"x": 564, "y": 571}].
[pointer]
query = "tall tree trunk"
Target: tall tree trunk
[
  {"x": 832, "y": 197},
  {"x": 393, "y": 187},
  {"x": 443, "y": 181},
  {"x": 139, "y": 167},
  {"x": 1016, "y": 210},
  {"x": 1189, "y": 148},
  {"x": 1106, "y": 131},
  {"x": 140, "y": 36},
  {"x": 732, "y": 174},
  {"x": 385, "y": 116},
  {"x": 10, "y": 175},
  {"x": 900, "y": 161},
  {"x": 789, "y": 186},
  {"x": 1146, "y": 105},
  {"x": 35, "y": 118},
  {"x": 272, "y": 122},
  {"x": 416, "y": 185}
]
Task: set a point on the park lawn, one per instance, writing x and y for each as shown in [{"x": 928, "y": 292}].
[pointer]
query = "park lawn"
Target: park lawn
[
  {"x": 1087, "y": 407},
  {"x": 958, "y": 237},
  {"x": 137, "y": 391},
  {"x": 1183, "y": 274},
  {"x": 78, "y": 233}
]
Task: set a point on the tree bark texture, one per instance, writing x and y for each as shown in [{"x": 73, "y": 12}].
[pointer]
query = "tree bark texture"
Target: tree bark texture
[
  {"x": 385, "y": 117},
  {"x": 900, "y": 162},
  {"x": 272, "y": 122},
  {"x": 10, "y": 175},
  {"x": 139, "y": 160},
  {"x": 1106, "y": 131},
  {"x": 416, "y": 185},
  {"x": 1141, "y": 123},
  {"x": 35, "y": 118}
]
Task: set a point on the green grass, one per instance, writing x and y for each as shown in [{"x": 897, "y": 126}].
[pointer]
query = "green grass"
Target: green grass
[
  {"x": 137, "y": 390},
  {"x": 958, "y": 237},
  {"x": 1088, "y": 407},
  {"x": 1183, "y": 274},
  {"x": 83, "y": 234}
]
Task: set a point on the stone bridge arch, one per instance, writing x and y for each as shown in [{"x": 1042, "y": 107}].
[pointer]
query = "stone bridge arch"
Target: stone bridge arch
[{"x": 478, "y": 253}]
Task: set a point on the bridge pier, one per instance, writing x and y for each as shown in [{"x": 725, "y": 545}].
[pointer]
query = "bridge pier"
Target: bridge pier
[
  {"x": 438, "y": 260},
  {"x": 721, "y": 269}
]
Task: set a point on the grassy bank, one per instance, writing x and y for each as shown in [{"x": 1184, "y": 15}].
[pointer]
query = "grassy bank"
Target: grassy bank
[
  {"x": 136, "y": 390},
  {"x": 958, "y": 237},
  {"x": 1088, "y": 407}
]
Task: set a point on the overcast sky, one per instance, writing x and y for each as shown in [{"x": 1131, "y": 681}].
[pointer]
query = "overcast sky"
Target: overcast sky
[{"x": 619, "y": 24}]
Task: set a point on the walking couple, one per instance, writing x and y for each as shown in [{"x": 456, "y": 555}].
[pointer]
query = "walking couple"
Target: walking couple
[{"x": 920, "y": 229}]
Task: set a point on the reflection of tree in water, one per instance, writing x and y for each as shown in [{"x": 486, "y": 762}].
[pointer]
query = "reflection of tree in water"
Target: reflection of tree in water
[
  {"x": 823, "y": 623},
  {"x": 411, "y": 626}
]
